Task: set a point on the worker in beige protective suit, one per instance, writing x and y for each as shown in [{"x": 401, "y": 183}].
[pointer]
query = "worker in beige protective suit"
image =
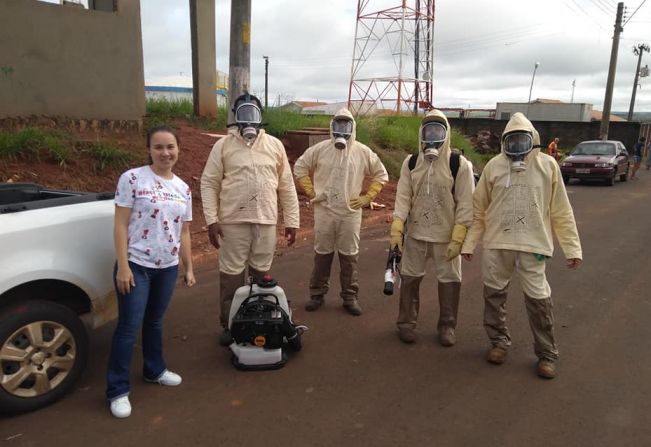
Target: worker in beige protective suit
[
  {"x": 519, "y": 201},
  {"x": 433, "y": 211},
  {"x": 247, "y": 174},
  {"x": 338, "y": 167}
]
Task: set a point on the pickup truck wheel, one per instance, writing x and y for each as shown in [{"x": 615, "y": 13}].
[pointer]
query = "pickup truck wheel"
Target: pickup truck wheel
[{"x": 43, "y": 350}]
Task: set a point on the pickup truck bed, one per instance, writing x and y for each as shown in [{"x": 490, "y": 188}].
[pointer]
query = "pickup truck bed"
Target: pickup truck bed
[{"x": 16, "y": 197}]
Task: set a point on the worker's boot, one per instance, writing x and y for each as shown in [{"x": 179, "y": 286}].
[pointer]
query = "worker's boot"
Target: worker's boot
[
  {"x": 319, "y": 281},
  {"x": 541, "y": 321},
  {"x": 349, "y": 283},
  {"x": 256, "y": 275},
  {"x": 409, "y": 305},
  {"x": 495, "y": 323},
  {"x": 449, "y": 293},
  {"x": 228, "y": 284}
]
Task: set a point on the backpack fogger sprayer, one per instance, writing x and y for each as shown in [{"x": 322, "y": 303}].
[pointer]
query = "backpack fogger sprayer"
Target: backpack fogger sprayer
[{"x": 392, "y": 270}]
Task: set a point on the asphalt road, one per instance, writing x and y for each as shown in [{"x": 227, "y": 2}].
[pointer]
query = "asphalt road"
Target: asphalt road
[{"x": 355, "y": 383}]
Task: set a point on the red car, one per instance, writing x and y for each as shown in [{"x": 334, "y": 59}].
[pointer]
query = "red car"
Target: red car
[{"x": 597, "y": 159}]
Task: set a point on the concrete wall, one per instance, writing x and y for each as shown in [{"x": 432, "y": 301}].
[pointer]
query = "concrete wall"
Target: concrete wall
[
  {"x": 545, "y": 111},
  {"x": 570, "y": 133},
  {"x": 74, "y": 62}
]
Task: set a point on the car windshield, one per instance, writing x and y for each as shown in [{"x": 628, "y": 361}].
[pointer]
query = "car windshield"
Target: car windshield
[{"x": 594, "y": 149}]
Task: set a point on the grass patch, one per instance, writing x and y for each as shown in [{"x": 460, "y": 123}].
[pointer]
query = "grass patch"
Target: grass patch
[
  {"x": 278, "y": 122},
  {"x": 166, "y": 109},
  {"x": 108, "y": 155},
  {"x": 31, "y": 143}
]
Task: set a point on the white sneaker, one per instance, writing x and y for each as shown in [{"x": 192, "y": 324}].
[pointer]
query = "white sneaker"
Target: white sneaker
[
  {"x": 168, "y": 378},
  {"x": 121, "y": 407}
]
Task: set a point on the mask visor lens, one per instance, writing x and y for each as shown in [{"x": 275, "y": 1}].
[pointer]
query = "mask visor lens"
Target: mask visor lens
[
  {"x": 433, "y": 133},
  {"x": 519, "y": 143},
  {"x": 342, "y": 128},
  {"x": 248, "y": 113}
]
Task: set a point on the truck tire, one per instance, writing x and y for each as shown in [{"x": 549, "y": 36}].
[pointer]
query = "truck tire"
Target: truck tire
[{"x": 43, "y": 351}]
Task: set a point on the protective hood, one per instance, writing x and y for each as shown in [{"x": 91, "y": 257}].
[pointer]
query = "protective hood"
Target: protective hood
[
  {"x": 519, "y": 122},
  {"x": 345, "y": 113},
  {"x": 437, "y": 116}
]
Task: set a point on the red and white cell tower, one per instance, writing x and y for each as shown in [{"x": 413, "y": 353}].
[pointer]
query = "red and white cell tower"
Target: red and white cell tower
[{"x": 392, "y": 56}]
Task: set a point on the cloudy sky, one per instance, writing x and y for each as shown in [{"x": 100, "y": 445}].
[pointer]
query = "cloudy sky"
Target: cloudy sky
[{"x": 484, "y": 50}]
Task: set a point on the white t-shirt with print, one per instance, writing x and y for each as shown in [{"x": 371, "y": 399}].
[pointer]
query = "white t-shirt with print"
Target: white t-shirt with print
[{"x": 158, "y": 209}]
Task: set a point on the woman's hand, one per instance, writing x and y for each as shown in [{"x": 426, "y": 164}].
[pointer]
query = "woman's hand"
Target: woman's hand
[
  {"x": 189, "y": 279},
  {"x": 124, "y": 280}
]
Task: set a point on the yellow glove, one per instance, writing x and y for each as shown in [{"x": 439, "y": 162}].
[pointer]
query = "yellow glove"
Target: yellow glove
[
  {"x": 397, "y": 230},
  {"x": 456, "y": 241},
  {"x": 365, "y": 200},
  {"x": 306, "y": 184}
]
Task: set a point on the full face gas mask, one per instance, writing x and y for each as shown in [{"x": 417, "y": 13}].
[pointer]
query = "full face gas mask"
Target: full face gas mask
[
  {"x": 516, "y": 146},
  {"x": 342, "y": 129},
  {"x": 432, "y": 137},
  {"x": 248, "y": 117}
]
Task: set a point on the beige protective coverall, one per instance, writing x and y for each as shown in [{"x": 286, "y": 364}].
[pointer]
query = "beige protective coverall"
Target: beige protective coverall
[
  {"x": 514, "y": 216},
  {"x": 431, "y": 203},
  {"x": 338, "y": 175},
  {"x": 241, "y": 187}
]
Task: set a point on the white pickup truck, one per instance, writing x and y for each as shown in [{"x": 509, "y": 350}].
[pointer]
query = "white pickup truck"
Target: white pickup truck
[{"x": 55, "y": 280}]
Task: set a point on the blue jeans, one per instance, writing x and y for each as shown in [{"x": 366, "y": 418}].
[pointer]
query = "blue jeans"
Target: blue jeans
[{"x": 143, "y": 307}]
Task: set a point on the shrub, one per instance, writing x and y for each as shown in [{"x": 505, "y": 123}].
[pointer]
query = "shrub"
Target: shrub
[{"x": 108, "y": 155}]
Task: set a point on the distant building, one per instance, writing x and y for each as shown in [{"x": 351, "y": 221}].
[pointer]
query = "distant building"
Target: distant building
[
  {"x": 323, "y": 108},
  {"x": 180, "y": 93},
  {"x": 179, "y": 87},
  {"x": 298, "y": 106},
  {"x": 545, "y": 110}
]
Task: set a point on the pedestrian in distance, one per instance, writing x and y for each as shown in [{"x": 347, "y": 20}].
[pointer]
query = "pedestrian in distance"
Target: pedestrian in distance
[
  {"x": 519, "y": 201},
  {"x": 153, "y": 210},
  {"x": 638, "y": 152},
  {"x": 246, "y": 176},
  {"x": 552, "y": 149},
  {"x": 331, "y": 174},
  {"x": 433, "y": 211}
]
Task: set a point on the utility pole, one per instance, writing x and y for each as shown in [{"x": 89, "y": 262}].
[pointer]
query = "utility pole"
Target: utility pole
[
  {"x": 605, "y": 118},
  {"x": 638, "y": 51},
  {"x": 239, "y": 73},
  {"x": 202, "y": 37},
  {"x": 573, "y": 86},
  {"x": 266, "y": 81}
]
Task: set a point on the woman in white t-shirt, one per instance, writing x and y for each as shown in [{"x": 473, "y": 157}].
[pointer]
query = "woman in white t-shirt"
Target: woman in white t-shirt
[{"x": 153, "y": 210}]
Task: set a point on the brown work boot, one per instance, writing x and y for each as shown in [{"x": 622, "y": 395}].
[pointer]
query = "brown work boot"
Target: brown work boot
[
  {"x": 352, "y": 307},
  {"x": 314, "y": 303},
  {"x": 546, "y": 369},
  {"x": 407, "y": 335},
  {"x": 447, "y": 337},
  {"x": 497, "y": 355}
]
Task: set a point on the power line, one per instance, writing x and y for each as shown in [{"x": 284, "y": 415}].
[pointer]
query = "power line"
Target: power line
[{"x": 636, "y": 10}]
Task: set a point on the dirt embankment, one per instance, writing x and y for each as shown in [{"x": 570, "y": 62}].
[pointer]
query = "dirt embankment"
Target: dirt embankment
[{"x": 81, "y": 174}]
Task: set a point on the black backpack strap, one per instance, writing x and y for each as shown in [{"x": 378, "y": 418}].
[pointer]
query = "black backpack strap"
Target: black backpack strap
[
  {"x": 454, "y": 163},
  {"x": 454, "y": 166},
  {"x": 412, "y": 161}
]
